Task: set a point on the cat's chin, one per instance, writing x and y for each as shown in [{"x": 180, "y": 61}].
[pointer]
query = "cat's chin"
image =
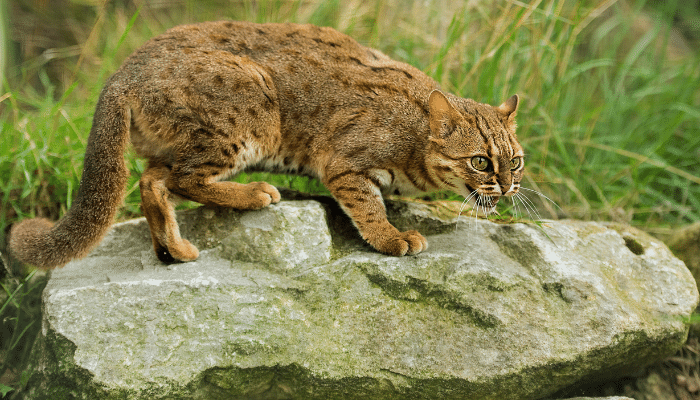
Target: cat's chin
[
  {"x": 490, "y": 201},
  {"x": 481, "y": 205},
  {"x": 486, "y": 205}
]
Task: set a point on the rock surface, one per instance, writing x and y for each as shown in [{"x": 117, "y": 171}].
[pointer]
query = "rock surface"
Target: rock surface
[
  {"x": 601, "y": 398},
  {"x": 685, "y": 244},
  {"x": 288, "y": 303}
]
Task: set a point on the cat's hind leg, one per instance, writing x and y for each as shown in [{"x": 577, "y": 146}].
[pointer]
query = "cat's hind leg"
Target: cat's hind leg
[
  {"x": 159, "y": 183},
  {"x": 160, "y": 214},
  {"x": 215, "y": 116}
]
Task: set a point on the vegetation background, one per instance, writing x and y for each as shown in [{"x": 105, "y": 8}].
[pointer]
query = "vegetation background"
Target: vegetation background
[{"x": 609, "y": 118}]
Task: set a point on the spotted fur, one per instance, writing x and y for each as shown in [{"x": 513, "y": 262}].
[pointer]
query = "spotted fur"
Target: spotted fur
[{"x": 204, "y": 102}]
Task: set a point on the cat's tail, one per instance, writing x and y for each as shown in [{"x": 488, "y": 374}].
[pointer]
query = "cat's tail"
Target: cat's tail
[{"x": 43, "y": 244}]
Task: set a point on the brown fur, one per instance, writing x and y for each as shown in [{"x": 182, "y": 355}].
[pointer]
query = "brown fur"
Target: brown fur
[{"x": 204, "y": 102}]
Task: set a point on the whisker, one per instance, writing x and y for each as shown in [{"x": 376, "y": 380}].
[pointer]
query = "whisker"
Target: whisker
[
  {"x": 533, "y": 207},
  {"x": 527, "y": 202},
  {"x": 474, "y": 212},
  {"x": 479, "y": 205},
  {"x": 516, "y": 205},
  {"x": 542, "y": 195},
  {"x": 514, "y": 210},
  {"x": 491, "y": 210},
  {"x": 461, "y": 206},
  {"x": 480, "y": 209},
  {"x": 529, "y": 206},
  {"x": 522, "y": 204},
  {"x": 464, "y": 203}
]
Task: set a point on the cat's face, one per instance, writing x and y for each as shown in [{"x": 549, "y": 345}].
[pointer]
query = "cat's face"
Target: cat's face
[{"x": 475, "y": 152}]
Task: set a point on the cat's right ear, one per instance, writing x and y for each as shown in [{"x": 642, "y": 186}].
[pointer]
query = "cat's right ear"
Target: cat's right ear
[
  {"x": 442, "y": 114},
  {"x": 509, "y": 107}
]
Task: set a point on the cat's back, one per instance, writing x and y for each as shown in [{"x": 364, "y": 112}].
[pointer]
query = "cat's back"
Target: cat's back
[
  {"x": 297, "y": 55},
  {"x": 270, "y": 41}
]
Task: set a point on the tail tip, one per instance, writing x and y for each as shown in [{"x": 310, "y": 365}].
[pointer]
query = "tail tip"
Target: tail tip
[{"x": 26, "y": 245}]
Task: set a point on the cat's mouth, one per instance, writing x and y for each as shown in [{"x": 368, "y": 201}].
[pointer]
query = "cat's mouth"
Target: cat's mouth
[
  {"x": 489, "y": 201},
  {"x": 478, "y": 200}
]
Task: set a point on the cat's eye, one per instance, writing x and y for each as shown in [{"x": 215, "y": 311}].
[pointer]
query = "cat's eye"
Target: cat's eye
[
  {"x": 480, "y": 163},
  {"x": 515, "y": 163}
]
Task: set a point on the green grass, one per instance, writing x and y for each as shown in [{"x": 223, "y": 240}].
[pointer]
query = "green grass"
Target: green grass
[
  {"x": 610, "y": 103},
  {"x": 21, "y": 321},
  {"x": 609, "y": 121}
]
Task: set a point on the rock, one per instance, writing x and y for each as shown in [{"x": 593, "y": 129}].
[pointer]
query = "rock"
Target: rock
[
  {"x": 280, "y": 306},
  {"x": 654, "y": 387},
  {"x": 685, "y": 244},
  {"x": 601, "y": 398}
]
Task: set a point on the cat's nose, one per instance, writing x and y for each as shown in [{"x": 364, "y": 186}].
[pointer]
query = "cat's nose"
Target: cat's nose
[{"x": 509, "y": 190}]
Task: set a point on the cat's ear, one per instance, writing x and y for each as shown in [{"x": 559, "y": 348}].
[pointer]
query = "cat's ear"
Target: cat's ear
[
  {"x": 442, "y": 114},
  {"x": 509, "y": 107}
]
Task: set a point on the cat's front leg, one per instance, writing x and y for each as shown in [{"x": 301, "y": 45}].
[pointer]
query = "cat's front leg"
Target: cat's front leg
[{"x": 359, "y": 195}]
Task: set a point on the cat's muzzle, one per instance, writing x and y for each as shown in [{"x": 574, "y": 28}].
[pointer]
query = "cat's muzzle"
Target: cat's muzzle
[{"x": 490, "y": 201}]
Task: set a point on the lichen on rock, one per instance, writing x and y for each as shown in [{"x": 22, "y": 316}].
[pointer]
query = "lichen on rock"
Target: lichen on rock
[{"x": 275, "y": 308}]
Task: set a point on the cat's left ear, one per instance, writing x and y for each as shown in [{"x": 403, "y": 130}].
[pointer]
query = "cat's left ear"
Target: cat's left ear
[
  {"x": 509, "y": 107},
  {"x": 442, "y": 114}
]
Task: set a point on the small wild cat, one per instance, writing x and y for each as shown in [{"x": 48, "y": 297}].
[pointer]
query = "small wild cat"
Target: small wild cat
[{"x": 203, "y": 102}]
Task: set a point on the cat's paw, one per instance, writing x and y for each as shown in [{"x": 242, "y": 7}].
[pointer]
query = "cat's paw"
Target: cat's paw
[
  {"x": 258, "y": 195},
  {"x": 184, "y": 251},
  {"x": 269, "y": 190},
  {"x": 402, "y": 244},
  {"x": 181, "y": 252}
]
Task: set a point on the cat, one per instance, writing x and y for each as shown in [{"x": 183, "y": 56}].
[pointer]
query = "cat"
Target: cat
[{"x": 205, "y": 101}]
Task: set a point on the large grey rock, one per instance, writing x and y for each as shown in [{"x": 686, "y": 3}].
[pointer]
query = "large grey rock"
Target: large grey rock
[
  {"x": 601, "y": 398},
  {"x": 685, "y": 244},
  {"x": 280, "y": 306}
]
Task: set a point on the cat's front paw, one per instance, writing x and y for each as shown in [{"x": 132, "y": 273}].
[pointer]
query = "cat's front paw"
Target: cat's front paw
[
  {"x": 401, "y": 243},
  {"x": 256, "y": 195},
  {"x": 264, "y": 189}
]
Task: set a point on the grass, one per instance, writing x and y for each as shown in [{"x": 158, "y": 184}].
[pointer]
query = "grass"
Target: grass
[
  {"x": 609, "y": 117},
  {"x": 21, "y": 321}
]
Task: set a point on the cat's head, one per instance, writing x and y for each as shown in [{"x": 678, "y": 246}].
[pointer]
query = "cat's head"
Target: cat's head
[{"x": 474, "y": 150}]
